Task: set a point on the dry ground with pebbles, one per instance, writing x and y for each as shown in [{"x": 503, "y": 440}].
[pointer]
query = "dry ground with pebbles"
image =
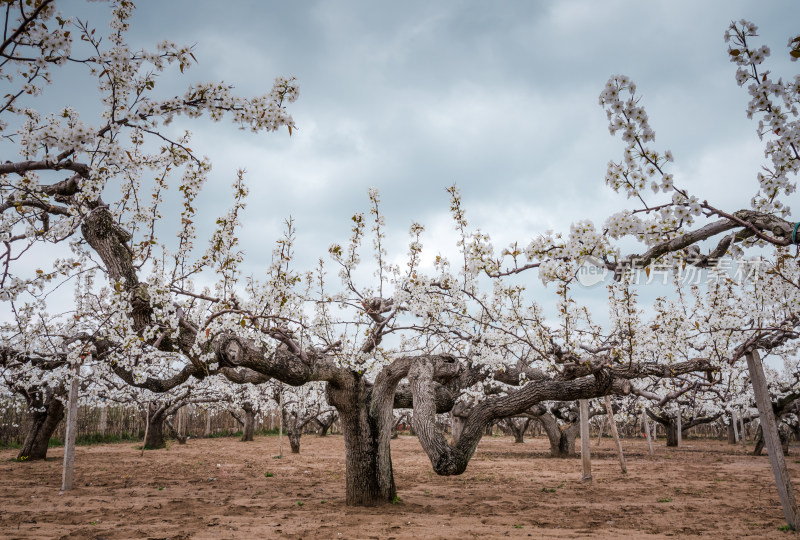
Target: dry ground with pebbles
[{"x": 217, "y": 488}]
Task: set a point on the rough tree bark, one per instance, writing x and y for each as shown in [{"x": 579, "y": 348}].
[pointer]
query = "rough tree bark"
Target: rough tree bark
[
  {"x": 176, "y": 432},
  {"x": 457, "y": 418},
  {"x": 368, "y": 468},
  {"x": 294, "y": 429},
  {"x": 600, "y": 430},
  {"x": 519, "y": 432},
  {"x": 155, "y": 432},
  {"x": 671, "y": 424},
  {"x": 671, "y": 428},
  {"x": 46, "y": 410},
  {"x": 294, "y": 439},
  {"x": 325, "y": 423},
  {"x": 249, "y": 427},
  {"x": 366, "y": 418},
  {"x": 515, "y": 427},
  {"x": 448, "y": 459},
  {"x": 562, "y": 438},
  {"x": 783, "y": 436}
]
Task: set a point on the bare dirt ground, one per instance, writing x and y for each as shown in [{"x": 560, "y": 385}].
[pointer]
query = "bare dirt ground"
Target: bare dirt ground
[{"x": 217, "y": 488}]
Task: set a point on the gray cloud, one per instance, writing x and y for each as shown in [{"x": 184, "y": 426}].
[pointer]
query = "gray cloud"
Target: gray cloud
[{"x": 500, "y": 98}]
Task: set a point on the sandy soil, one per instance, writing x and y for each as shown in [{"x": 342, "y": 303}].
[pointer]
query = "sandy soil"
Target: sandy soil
[{"x": 217, "y": 488}]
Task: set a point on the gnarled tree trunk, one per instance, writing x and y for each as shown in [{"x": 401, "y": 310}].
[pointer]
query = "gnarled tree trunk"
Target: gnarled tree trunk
[
  {"x": 566, "y": 442},
  {"x": 155, "y": 432},
  {"x": 516, "y": 427},
  {"x": 369, "y": 480},
  {"x": 175, "y": 432},
  {"x": 457, "y": 419},
  {"x": 249, "y": 422},
  {"x": 671, "y": 423},
  {"x": 325, "y": 424},
  {"x": 294, "y": 429},
  {"x": 43, "y": 424},
  {"x": 294, "y": 440},
  {"x": 366, "y": 417},
  {"x": 671, "y": 428},
  {"x": 782, "y": 433},
  {"x": 562, "y": 438}
]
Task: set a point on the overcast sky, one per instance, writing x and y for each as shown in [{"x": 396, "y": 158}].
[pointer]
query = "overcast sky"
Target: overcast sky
[{"x": 500, "y": 98}]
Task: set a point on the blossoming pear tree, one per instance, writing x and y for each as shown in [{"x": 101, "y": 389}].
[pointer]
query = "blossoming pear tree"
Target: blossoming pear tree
[
  {"x": 515, "y": 360},
  {"x": 245, "y": 401},
  {"x": 35, "y": 359},
  {"x": 300, "y": 406},
  {"x": 669, "y": 226},
  {"x": 99, "y": 187}
]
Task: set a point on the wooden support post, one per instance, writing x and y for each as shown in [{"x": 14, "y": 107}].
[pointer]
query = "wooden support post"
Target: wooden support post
[
  {"x": 146, "y": 425},
  {"x": 772, "y": 441},
  {"x": 586, "y": 459},
  {"x": 680, "y": 428},
  {"x": 613, "y": 425},
  {"x": 742, "y": 432},
  {"x": 647, "y": 430},
  {"x": 72, "y": 424},
  {"x": 602, "y": 426},
  {"x": 280, "y": 425}
]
